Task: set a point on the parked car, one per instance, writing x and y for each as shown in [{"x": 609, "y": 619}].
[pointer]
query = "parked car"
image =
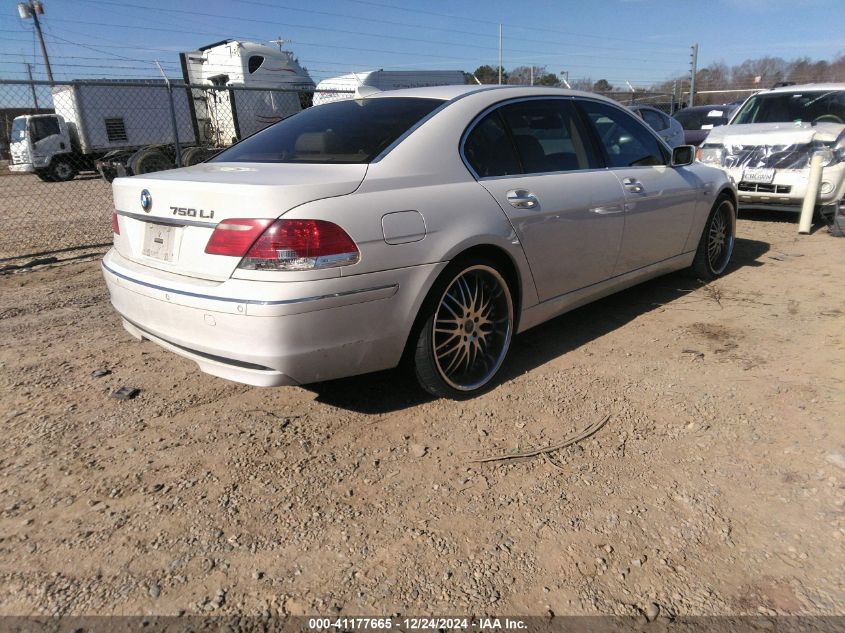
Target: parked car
[
  {"x": 767, "y": 146},
  {"x": 697, "y": 121},
  {"x": 665, "y": 126},
  {"x": 435, "y": 222}
]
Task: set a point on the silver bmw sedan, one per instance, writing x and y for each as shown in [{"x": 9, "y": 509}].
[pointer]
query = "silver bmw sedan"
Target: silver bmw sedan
[{"x": 434, "y": 223}]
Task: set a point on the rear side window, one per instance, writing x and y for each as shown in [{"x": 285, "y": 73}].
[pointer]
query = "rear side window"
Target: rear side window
[
  {"x": 254, "y": 63},
  {"x": 703, "y": 118},
  {"x": 489, "y": 150},
  {"x": 352, "y": 131},
  {"x": 625, "y": 140},
  {"x": 654, "y": 119}
]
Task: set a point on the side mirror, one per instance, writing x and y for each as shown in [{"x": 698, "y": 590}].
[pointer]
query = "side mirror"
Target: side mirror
[{"x": 683, "y": 155}]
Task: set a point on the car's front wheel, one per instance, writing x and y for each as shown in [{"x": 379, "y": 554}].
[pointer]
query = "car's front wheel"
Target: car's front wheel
[
  {"x": 717, "y": 241},
  {"x": 62, "y": 170},
  {"x": 466, "y": 332}
]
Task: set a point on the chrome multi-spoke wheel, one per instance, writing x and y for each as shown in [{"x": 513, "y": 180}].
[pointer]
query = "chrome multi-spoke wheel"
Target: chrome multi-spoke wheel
[
  {"x": 468, "y": 333},
  {"x": 717, "y": 241}
]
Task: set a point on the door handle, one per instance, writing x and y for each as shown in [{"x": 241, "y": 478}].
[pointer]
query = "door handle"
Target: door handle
[
  {"x": 633, "y": 185},
  {"x": 606, "y": 210},
  {"x": 522, "y": 199}
]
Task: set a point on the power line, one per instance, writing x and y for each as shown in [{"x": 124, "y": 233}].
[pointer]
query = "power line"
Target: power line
[
  {"x": 480, "y": 21},
  {"x": 357, "y": 33}
]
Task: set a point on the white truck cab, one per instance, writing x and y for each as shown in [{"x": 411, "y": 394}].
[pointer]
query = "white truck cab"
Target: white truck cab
[{"x": 41, "y": 144}]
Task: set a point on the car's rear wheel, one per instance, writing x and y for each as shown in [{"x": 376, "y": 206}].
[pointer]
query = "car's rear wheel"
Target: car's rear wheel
[
  {"x": 717, "y": 241},
  {"x": 466, "y": 332}
]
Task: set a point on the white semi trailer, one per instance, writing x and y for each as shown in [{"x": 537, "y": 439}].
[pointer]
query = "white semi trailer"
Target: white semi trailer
[
  {"x": 344, "y": 86},
  {"x": 125, "y": 127}
]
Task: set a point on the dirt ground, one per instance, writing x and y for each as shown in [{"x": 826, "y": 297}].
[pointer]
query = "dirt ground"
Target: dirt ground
[
  {"x": 50, "y": 216},
  {"x": 717, "y": 485}
]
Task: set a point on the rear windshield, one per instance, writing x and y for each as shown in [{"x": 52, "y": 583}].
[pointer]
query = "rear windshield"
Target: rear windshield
[
  {"x": 352, "y": 131},
  {"x": 703, "y": 118},
  {"x": 806, "y": 107}
]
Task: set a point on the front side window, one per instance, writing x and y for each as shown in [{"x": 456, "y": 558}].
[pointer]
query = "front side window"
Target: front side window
[
  {"x": 547, "y": 137},
  {"x": 817, "y": 106},
  {"x": 44, "y": 127},
  {"x": 352, "y": 131},
  {"x": 626, "y": 142}
]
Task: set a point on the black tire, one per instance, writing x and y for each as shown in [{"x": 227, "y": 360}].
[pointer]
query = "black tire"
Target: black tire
[
  {"x": 717, "y": 241},
  {"x": 147, "y": 161},
  {"x": 472, "y": 303},
  {"x": 194, "y": 156},
  {"x": 44, "y": 176},
  {"x": 62, "y": 170}
]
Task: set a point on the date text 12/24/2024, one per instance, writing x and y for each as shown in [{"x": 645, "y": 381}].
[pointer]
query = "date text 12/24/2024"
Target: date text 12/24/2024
[{"x": 414, "y": 624}]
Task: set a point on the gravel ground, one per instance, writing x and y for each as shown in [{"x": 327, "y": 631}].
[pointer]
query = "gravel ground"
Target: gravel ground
[
  {"x": 717, "y": 485},
  {"x": 49, "y": 216}
]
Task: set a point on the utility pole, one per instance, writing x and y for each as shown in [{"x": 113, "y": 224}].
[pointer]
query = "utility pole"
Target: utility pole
[
  {"x": 500, "y": 53},
  {"x": 532, "y": 74},
  {"x": 32, "y": 85},
  {"x": 693, "y": 66},
  {"x": 32, "y": 9},
  {"x": 674, "y": 98},
  {"x": 565, "y": 78}
]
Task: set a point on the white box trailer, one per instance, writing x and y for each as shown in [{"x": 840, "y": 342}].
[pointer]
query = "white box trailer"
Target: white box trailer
[
  {"x": 344, "y": 86},
  {"x": 109, "y": 116}
]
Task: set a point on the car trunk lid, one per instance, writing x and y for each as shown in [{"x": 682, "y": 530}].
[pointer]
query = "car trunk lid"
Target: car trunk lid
[{"x": 184, "y": 206}]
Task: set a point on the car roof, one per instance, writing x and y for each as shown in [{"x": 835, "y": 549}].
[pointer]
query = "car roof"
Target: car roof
[
  {"x": 645, "y": 107},
  {"x": 712, "y": 106},
  {"x": 495, "y": 92},
  {"x": 806, "y": 87}
]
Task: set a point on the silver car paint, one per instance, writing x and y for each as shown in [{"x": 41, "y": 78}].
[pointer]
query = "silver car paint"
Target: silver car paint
[{"x": 423, "y": 173}]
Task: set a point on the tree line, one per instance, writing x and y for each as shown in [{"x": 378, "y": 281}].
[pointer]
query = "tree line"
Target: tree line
[{"x": 762, "y": 72}]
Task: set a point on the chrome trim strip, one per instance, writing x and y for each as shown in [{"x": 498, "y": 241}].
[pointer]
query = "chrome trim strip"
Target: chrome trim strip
[
  {"x": 248, "y": 301},
  {"x": 172, "y": 221}
]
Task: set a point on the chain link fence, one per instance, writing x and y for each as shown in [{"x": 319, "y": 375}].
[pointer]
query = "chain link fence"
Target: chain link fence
[
  {"x": 665, "y": 102},
  {"x": 61, "y": 144}
]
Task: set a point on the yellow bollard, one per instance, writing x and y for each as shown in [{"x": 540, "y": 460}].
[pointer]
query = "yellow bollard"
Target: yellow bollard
[{"x": 809, "y": 206}]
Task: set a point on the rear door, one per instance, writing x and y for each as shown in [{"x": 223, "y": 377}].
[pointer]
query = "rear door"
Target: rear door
[
  {"x": 534, "y": 158},
  {"x": 659, "y": 199}
]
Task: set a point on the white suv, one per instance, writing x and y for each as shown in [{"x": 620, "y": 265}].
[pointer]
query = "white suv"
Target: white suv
[{"x": 767, "y": 146}]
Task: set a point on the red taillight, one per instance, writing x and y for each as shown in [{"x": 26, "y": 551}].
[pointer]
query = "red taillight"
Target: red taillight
[
  {"x": 286, "y": 244},
  {"x": 234, "y": 237},
  {"x": 115, "y": 225}
]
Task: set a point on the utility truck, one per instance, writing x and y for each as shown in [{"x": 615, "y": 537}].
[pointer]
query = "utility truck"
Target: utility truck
[{"x": 124, "y": 127}]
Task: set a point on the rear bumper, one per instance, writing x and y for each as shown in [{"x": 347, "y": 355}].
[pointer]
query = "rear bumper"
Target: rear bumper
[
  {"x": 296, "y": 333},
  {"x": 22, "y": 168}
]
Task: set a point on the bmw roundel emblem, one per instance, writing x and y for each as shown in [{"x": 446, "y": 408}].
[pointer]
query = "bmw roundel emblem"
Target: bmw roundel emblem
[{"x": 146, "y": 201}]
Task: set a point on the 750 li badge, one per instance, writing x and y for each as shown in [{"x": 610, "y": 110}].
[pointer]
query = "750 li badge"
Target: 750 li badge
[{"x": 192, "y": 213}]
